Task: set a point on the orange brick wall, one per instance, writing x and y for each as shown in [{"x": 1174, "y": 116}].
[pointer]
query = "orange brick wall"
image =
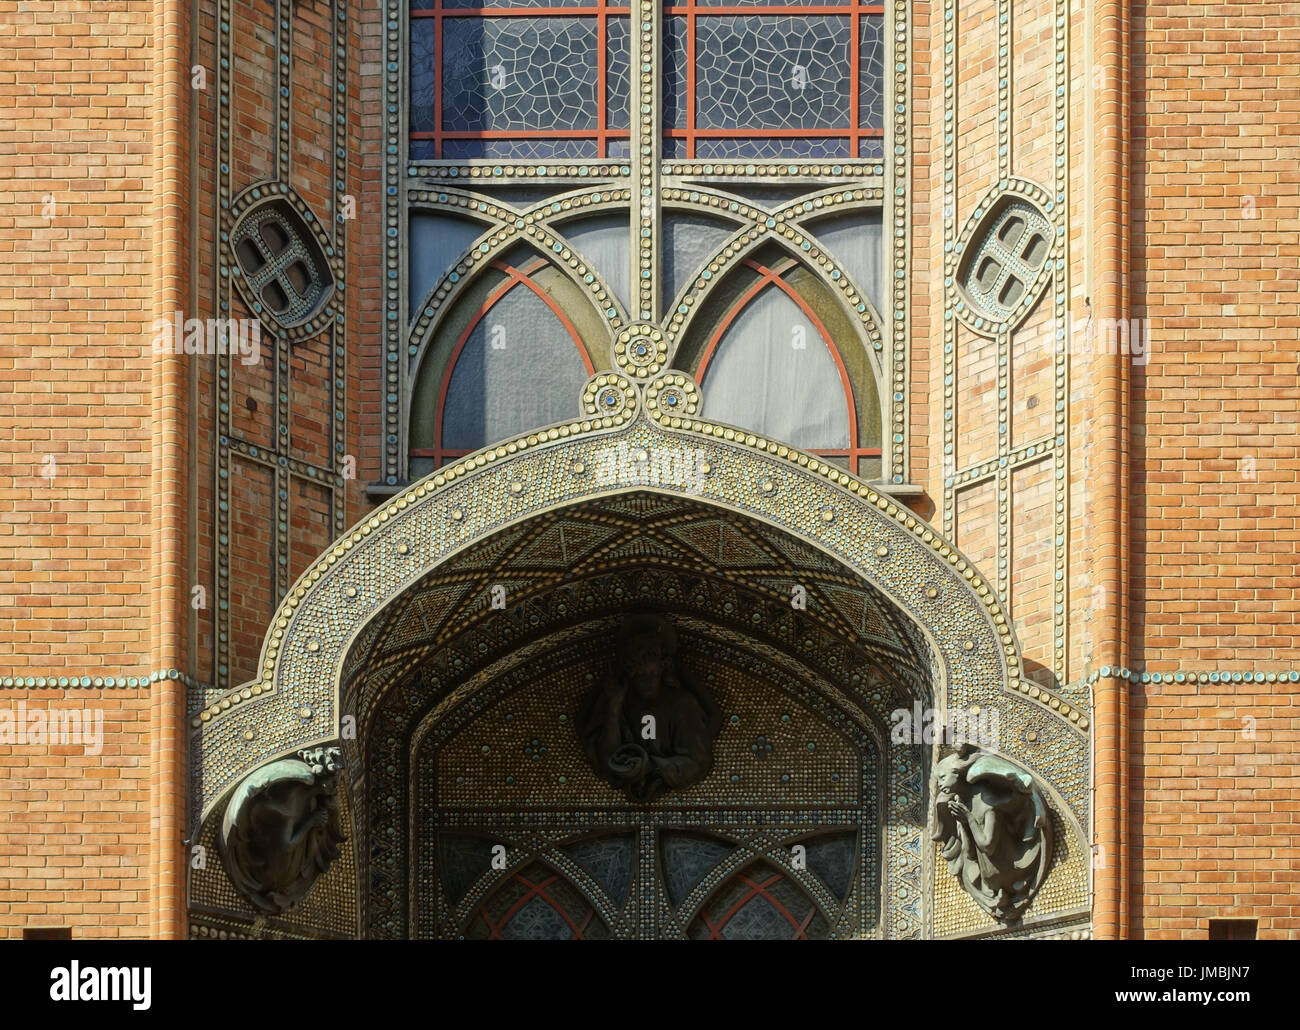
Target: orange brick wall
[
  {"x": 75, "y": 315},
  {"x": 1216, "y": 464},
  {"x": 1214, "y": 434}
]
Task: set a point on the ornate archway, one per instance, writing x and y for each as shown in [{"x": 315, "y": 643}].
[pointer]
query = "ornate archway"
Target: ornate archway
[{"x": 391, "y": 647}]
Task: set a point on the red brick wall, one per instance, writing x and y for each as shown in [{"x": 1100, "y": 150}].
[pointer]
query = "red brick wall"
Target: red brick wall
[
  {"x": 1216, "y": 463},
  {"x": 75, "y": 321}
]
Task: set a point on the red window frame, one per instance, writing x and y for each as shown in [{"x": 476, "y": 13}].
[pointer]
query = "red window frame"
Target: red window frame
[
  {"x": 597, "y": 9},
  {"x": 692, "y": 10}
]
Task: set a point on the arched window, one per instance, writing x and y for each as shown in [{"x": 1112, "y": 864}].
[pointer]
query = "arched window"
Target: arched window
[
  {"x": 517, "y": 361},
  {"x": 766, "y": 357},
  {"x": 643, "y": 147}
]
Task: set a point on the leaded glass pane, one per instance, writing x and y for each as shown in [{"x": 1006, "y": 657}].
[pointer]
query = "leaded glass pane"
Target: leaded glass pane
[
  {"x": 772, "y": 72},
  {"x": 536, "y": 904},
  {"x": 503, "y": 74},
  {"x": 801, "y": 148},
  {"x": 618, "y": 71},
  {"x": 689, "y": 240},
  {"x": 854, "y": 240},
  {"x": 462, "y": 860},
  {"x": 772, "y": 373},
  {"x": 519, "y": 369},
  {"x": 674, "y": 65},
  {"x": 871, "y": 149},
  {"x": 603, "y": 242},
  {"x": 424, "y": 77},
  {"x": 610, "y": 861},
  {"x": 517, "y": 149},
  {"x": 871, "y": 73},
  {"x": 760, "y": 903},
  {"x": 834, "y": 859},
  {"x": 437, "y": 242},
  {"x": 474, "y": 5},
  {"x": 687, "y": 859}
]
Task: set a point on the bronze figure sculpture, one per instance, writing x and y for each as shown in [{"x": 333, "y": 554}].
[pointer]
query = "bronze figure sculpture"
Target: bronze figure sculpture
[
  {"x": 281, "y": 829},
  {"x": 995, "y": 830},
  {"x": 649, "y": 728}
]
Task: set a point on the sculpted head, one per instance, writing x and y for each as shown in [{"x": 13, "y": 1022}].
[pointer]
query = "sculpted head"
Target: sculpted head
[{"x": 646, "y": 647}]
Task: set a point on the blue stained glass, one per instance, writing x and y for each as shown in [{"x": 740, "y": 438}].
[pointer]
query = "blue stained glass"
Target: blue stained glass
[
  {"x": 834, "y": 858},
  {"x": 609, "y": 860},
  {"x": 756, "y": 148},
  {"x": 462, "y": 860},
  {"x": 537, "y": 921},
  {"x": 517, "y": 149},
  {"x": 618, "y": 71},
  {"x": 423, "y": 150},
  {"x": 871, "y": 149},
  {"x": 436, "y": 243},
  {"x": 674, "y": 77},
  {"x": 479, "y": 5},
  {"x": 424, "y": 72},
  {"x": 871, "y": 73},
  {"x": 510, "y": 74},
  {"x": 763, "y": 72},
  {"x": 687, "y": 859}
]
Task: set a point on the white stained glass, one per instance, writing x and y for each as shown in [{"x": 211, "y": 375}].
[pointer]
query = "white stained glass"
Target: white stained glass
[
  {"x": 772, "y": 373},
  {"x": 519, "y": 369}
]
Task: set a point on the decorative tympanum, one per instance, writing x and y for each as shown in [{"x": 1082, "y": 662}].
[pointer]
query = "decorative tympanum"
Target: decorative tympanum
[
  {"x": 649, "y": 728},
  {"x": 995, "y": 829},
  {"x": 281, "y": 830}
]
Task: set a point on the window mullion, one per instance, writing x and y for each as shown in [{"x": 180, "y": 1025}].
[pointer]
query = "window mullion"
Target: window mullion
[{"x": 647, "y": 121}]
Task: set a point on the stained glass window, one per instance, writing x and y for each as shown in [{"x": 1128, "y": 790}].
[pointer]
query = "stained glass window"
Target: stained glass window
[
  {"x": 773, "y": 80},
  {"x": 760, "y": 903},
  {"x": 765, "y": 353},
  {"x": 537, "y": 904},
  {"x": 511, "y": 100},
  {"x": 517, "y": 362},
  {"x": 524, "y": 81}
]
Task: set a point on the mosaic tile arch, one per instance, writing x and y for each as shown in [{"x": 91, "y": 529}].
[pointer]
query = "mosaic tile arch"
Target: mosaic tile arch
[{"x": 294, "y": 702}]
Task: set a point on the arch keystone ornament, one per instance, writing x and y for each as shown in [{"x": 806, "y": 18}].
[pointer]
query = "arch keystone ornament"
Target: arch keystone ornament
[{"x": 674, "y": 453}]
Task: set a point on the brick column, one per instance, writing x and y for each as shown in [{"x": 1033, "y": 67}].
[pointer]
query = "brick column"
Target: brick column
[
  {"x": 169, "y": 516},
  {"x": 1109, "y": 300}
]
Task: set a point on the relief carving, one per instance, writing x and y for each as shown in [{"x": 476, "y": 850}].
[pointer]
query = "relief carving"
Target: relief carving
[
  {"x": 649, "y": 728},
  {"x": 994, "y": 829},
  {"x": 281, "y": 829}
]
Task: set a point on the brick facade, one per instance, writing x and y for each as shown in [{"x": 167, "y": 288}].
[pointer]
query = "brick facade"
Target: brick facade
[{"x": 1182, "y": 472}]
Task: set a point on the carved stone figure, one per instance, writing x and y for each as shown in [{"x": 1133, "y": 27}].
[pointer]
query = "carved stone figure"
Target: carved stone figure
[
  {"x": 649, "y": 729},
  {"x": 281, "y": 829},
  {"x": 995, "y": 829}
]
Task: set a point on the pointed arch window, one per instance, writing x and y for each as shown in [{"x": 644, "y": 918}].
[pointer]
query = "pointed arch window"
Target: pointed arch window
[
  {"x": 517, "y": 361},
  {"x": 769, "y": 362}
]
